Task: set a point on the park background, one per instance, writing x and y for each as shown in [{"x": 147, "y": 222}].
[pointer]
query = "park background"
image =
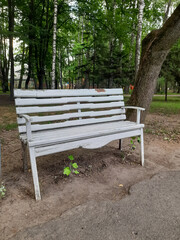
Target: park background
[{"x": 98, "y": 45}]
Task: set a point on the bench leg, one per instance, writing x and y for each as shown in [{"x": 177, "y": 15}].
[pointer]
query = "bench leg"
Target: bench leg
[
  {"x": 120, "y": 144},
  {"x": 142, "y": 148},
  {"x": 34, "y": 173},
  {"x": 24, "y": 156}
]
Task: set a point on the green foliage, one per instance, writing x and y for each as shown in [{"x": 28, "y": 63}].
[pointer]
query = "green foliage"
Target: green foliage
[
  {"x": 71, "y": 157},
  {"x": 133, "y": 142},
  {"x": 72, "y": 167},
  {"x": 2, "y": 190},
  {"x": 95, "y": 40},
  {"x": 67, "y": 171},
  {"x": 171, "y": 70}
]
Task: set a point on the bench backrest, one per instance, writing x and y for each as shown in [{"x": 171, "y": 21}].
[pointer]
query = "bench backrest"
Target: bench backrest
[{"x": 50, "y": 109}]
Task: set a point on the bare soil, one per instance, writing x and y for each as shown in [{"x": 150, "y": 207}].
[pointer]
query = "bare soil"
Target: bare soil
[{"x": 105, "y": 173}]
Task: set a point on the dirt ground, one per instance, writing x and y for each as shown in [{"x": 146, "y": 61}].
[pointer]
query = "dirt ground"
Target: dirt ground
[{"x": 105, "y": 173}]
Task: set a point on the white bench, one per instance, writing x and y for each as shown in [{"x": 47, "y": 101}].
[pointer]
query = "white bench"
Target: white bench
[{"x": 51, "y": 121}]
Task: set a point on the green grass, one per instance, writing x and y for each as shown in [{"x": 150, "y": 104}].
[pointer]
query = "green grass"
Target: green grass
[
  {"x": 158, "y": 105},
  {"x": 172, "y": 106},
  {"x": 8, "y": 126},
  {"x": 169, "y": 93}
]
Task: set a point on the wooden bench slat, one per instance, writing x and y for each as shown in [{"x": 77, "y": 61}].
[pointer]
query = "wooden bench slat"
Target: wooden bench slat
[
  {"x": 79, "y": 129},
  {"x": 18, "y": 93},
  {"x": 81, "y": 135},
  {"x": 38, "y": 127},
  {"x": 92, "y": 143},
  {"x": 64, "y": 116},
  {"x": 68, "y": 107},
  {"x": 51, "y": 101}
]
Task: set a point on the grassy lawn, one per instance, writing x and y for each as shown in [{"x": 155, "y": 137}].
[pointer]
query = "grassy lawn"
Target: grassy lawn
[
  {"x": 158, "y": 105},
  {"x": 169, "y": 93},
  {"x": 172, "y": 106}
]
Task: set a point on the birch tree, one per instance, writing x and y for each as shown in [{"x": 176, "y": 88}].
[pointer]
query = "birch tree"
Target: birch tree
[
  {"x": 139, "y": 34},
  {"x": 54, "y": 46}
]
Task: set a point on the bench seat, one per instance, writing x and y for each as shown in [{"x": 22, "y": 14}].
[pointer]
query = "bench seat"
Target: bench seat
[{"x": 69, "y": 134}]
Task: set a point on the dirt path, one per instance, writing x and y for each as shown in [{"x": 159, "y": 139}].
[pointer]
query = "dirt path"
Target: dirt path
[{"x": 105, "y": 173}]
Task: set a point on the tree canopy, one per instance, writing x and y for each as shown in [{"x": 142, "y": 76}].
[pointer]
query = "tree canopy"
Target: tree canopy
[{"x": 96, "y": 42}]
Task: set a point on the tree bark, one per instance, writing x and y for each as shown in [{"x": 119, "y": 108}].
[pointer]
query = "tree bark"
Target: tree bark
[
  {"x": 22, "y": 67},
  {"x": 165, "y": 88},
  {"x": 165, "y": 18},
  {"x": 155, "y": 48},
  {"x": 4, "y": 66},
  {"x": 60, "y": 70},
  {"x": 134, "y": 6},
  {"x": 54, "y": 46},
  {"x": 139, "y": 34},
  {"x": 11, "y": 55},
  {"x": 111, "y": 78},
  {"x": 31, "y": 44}
]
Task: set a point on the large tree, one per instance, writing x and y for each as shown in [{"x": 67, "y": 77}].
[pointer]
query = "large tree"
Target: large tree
[
  {"x": 155, "y": 47},
  {"x": 11, "y": 53}
]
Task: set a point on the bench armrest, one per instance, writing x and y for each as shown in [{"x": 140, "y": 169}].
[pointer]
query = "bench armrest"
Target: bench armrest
[
  {"x": 133, "y": 107},
  {"x": 26, "y": 117},
  {"x": 28, "y": 126},
  {"x": 139, "y": 109}
]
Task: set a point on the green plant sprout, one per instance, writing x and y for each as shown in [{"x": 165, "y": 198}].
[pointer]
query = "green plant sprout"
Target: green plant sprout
[
  {"x": 132, "y": 142},
  {"x": 72, "y": 167},
  {"x": 2, "y": 191}
]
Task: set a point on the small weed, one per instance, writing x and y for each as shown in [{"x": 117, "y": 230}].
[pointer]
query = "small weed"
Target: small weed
[
  {"x": 2, "y": 190},
  {"x": 132, "y": 142},
  {"x": 72, "y": 167}
]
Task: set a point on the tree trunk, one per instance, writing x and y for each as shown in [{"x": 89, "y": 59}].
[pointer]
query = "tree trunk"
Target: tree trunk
[
  {"x": 40, "y": 78},
  {"x": 165, "y": 88},
  {"x": 178, "y": 91},
  {"x": 134, "y": 6},
  {"x": 155, "y": 48},
  {"x": 139, "y": 34},
  {"x": 60, "y": 70},
  {"x": 22, "y": 67},
  {"x": 165, "y": 18},
  {"x": 54, "y": 46},
  {"x": 11, "y": 55},
  {"x": 4, "y": 66},
  {"x": 31, "y": 45},
  {"x": 111, "y": 78}
]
